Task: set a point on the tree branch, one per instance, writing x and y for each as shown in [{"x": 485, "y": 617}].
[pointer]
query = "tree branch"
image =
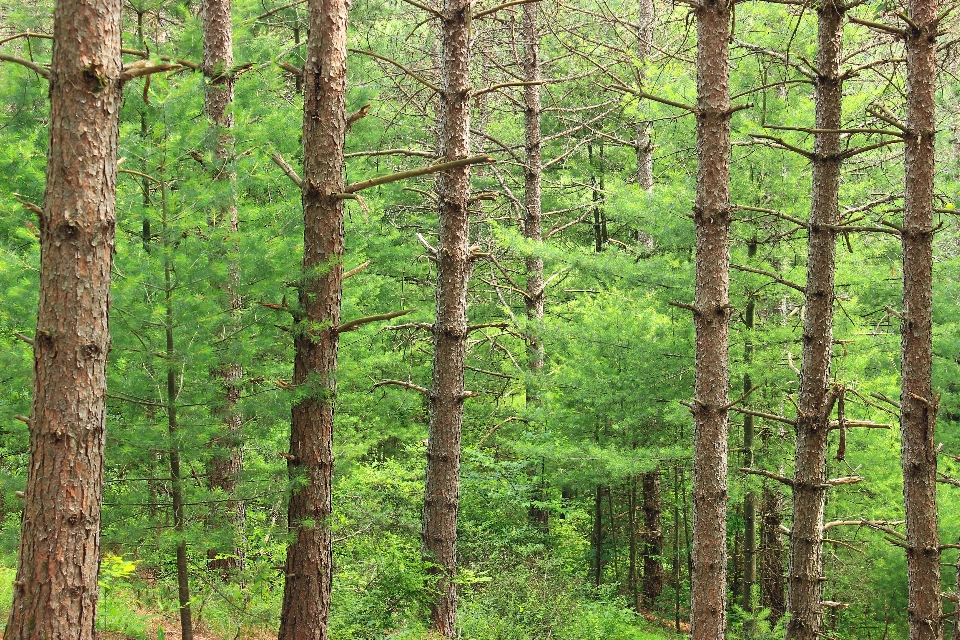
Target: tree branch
[
  {"x": 401, "y": 383},
  {"x": 487, "y": 12},
  {"x": 769, "y": 274},
  {"x": 877, "y": 26},
  {"x": 768, "y": 474},
  {"x": 354, "y": 324},
  {"x": 287, "y": 169},
  {"x": 391, "y": 152},
  {"x": 766, "y": 416},
  {"x": 409, "y": 72},
  {"x": 356, "y": 270},
  {"x": 782, "y": 144},
  {"x": 413, "y": 173},
  {"x": 41, "y": 71}
]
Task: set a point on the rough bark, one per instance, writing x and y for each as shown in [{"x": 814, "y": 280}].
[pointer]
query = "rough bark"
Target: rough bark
[
  {"x": 772, "y": 580},
  {"x": 712, "y": 320},
  {"x": 227, "y": 461},
  {"x": 309, "y": 564},
  {"x": 918, "y": 413},
  {"x": 441, "y": 495},
  {"x": 653, "y": 539},
  {"x": 804, "y": 584},
  {"x": 55, "y": 592},
  {"x": 644, "y": 139}
]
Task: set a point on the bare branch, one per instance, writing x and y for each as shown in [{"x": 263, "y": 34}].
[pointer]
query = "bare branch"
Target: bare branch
[
  {"x": 409, "y": 72},
  {"x": 41, "y": 71},
  {"x": 413, "y": 173},
  {"x": 23, "y": 338},
  {"x": 768, "y": 474},
  {"x": 769, "y": 274},
  {"x": 487, "y": 12},
  {"x": 356, "y": 270},
  {"x": 287, "y": 169},
  {"x": 401, "y": 383},
  {"x": 391, "y": 152},
  {"x": 878, "y": 26},
  {"x": 354, "y": 324},
  {"x": 836, "y": 482}
]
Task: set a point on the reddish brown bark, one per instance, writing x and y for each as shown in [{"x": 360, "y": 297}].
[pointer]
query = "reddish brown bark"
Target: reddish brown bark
[
  {"x": 441, "y": 494},
  {"x": 55, "y": 594},
  {"x": 712, "y": 319},
  {"x": 309, "y": 564},
  {"x": 804, "y": 584},
  {"x": 918, "y": 414}
]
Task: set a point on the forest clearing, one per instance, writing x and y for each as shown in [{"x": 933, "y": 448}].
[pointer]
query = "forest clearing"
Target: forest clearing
[{"x": 479, "y": 319}]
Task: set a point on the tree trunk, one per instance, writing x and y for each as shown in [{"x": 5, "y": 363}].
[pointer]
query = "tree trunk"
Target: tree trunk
[
  {"x": 55, "y": 593},
  {"x": 653, "y": 539},
  {"x": 309, "y": 564},
  {"x": 918, "y": 414},
  {"x": 772, "y": 587},
  {"x": 227, "y": 461},
  {"x": 173, "y": 429},
  {"x": 598, "y": 536},
  {"x": 712, "y": 319},
  {"x": 533, "y": 230},
  {"x": 750, "y": 499},
  {"x": 644, "y": 140},
  {"x": 441, "y": 495},
  {"x": 633, "y": 571},
  {"x": 815, "y": 399}
]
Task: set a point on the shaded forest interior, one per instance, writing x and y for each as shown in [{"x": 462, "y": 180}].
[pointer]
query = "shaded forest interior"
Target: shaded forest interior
[{"x": 465, "y": 319}]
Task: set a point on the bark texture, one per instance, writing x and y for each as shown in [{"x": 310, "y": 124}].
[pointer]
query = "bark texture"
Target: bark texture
[
  {"x": 804, "y": 584},
  {"x": 918, "y": 414},
  {"x": 309, "y": 564},
  {"x": 712, "y": 318},
  {"x": 750, "y": 499},
  {"x": 55, "y": 593},
  {"x": 441, "y": 494}
]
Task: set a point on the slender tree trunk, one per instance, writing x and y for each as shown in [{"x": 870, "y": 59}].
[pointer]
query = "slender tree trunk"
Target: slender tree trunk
[
  {"x": 676, "y": 546},
  {"x": 750, "y": 499},
  {"x": 599, "y": 213},
  {"x": 598, "y": 536},
  {"x": 712, "y": 319},
  {"x": 956, "y": 604},
  {"x": 441, "y": 495},
  {"x": 55, "y": 592},
  {"x": 225, "y": 465},
  {"x": 644, "y": 139},
  {"x": 918, "y": 414},
  {"x": 815, "y": 398},
  {"x": 173, "y": 431},
  {"x": 772, "y": 586},
  {"x": 309, "y": 564},
  {"x": 533, "y": 230},
  {"x": 653, "y": 539},
  {"x": 633, "y": 571}
]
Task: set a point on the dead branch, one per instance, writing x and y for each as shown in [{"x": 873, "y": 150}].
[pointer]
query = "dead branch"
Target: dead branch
[
  {"x": 401, "y": 383},
  {"x": 356, "y": 270},
  {"x": 770, "y": 275},
  {"x": 354, "y": 324},
  {"x": 768, "y": 474},
  {"x": 413, "y": 173},
  {"x": 287, "y": 169},
  {"x": 409, "y": 72},
  {"x": 33, "y": 66}
]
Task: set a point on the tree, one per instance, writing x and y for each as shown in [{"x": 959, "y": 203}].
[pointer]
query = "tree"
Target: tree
[
  {"x": 225, "y": 465},
  {"x": 918, "y": 403},
  {"x": 816, "y": 401},
  {"x": 711, "y": 312},
  {"x": 454, "y": 266},
  {"x": 56, "y": 589},
  {"x": 309, "y": 565}
]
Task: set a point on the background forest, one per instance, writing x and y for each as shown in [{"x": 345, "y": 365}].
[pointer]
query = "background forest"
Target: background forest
[{"x": 575, "y": 495}]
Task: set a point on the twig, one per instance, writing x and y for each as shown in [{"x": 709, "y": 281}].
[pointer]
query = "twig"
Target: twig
[{"x": 354, "y": 324}]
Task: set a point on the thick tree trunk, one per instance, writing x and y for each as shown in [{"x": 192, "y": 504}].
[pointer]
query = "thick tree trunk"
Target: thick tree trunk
[
  {"x": 653, "y": 539},
  {"x": 55, "y": 593},
  {"x": 918, "y": 414},
  {"x": 772, "y": 582},
  {"x": 644, "y": 139},
  {"x": 815, "y": 399},
  {"x": 441, "y": 495},
  {"x": 712, "y": 319},
  {"x": 224, "y": 467},
  {"x": 309, "y": 564}
]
